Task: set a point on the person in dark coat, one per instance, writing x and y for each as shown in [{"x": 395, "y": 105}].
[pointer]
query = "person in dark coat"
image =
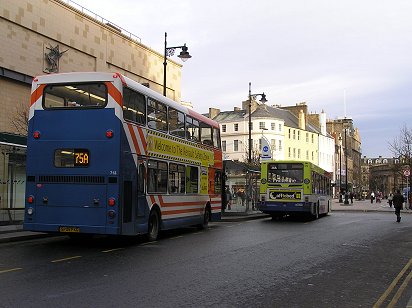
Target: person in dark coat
[{"x": 398, "y": 201}]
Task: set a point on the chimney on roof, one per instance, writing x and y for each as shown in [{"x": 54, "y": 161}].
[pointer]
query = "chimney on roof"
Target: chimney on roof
[
  {"x": 213, "y": 112},
  {"x": 237, "y": 109},
  {"x": 322, "y": 123},
  {"x": 253, "y": 105},
  {"x": 302, "y": 124}
]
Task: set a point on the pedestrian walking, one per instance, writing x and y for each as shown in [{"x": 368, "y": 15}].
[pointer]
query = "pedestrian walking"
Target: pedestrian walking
[
  {"x": 228, "y": 198},
  {"x": 398, "y": 201},
  {"x": 351, "y": 197},
  {"x": 372, "y": 196},
  {"x": 390, "y": 199}
]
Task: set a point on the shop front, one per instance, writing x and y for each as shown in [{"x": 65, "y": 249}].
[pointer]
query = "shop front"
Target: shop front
[{"x": 12, "y": 177}]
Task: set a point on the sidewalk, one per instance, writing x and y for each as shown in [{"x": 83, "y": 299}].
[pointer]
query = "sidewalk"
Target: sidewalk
[
  {"x": 12, "y": 233},
  {"x": 238, "y": 212},
  {"x": 365, "y": 206}
]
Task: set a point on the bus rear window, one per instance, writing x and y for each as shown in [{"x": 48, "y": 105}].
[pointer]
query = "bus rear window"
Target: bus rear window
[
  {"x": 285, "y": 173},
  {"x": 91, "y": 95}
]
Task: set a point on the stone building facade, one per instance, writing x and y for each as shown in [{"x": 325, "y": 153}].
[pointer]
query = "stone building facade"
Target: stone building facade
[
  {"x": 348, "y": 154},
  {"x": 381, "y": 174},
  {"x": 48, "y": 36}
]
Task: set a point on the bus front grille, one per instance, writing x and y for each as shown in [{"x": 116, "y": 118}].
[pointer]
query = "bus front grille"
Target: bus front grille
[{"x": 73, "y": 179}]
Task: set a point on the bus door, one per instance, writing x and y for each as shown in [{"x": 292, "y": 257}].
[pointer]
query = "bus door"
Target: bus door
[
  {"x": 134, "y": 201},
  {"x": 142, "y": 207}
]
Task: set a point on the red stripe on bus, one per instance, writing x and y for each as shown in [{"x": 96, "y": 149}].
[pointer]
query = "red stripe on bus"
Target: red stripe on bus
[
  {"x": 121, "y": 78},
  {"x": 203, "y": 118},
  {"x": 180, "y": 203},
  {"x": 36, "y": 94},
  {"x": 115, "y": 93},
  {"x": 135, "y": 143},
  {"x": 142, "y": 137},
  {"x": 180, "y": 211}
]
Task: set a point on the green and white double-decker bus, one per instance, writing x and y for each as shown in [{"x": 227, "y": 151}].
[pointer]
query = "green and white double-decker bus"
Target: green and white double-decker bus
[{"x": 294, "y": 187}]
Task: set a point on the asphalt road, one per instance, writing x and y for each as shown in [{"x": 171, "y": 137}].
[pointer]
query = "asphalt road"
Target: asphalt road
[{"x": 343, "y": 260}]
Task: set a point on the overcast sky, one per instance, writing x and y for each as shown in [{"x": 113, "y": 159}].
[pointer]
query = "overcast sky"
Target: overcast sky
[{"x": 322, "y": 52}]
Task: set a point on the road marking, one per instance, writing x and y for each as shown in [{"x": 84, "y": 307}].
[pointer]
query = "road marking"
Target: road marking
[
  {"x": 11, "y": 270},
  {"x": 65, "y": 259},
  {"x": 400, "y": 291},
  {"x": 393, "y": 284},
  {"x": 110, "y": 250},
  {"x": 148, "y": 243},
  {"x": 176, "y": 237}
]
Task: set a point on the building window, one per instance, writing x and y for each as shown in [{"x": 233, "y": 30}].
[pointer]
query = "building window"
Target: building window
[
  {"x": 294, "y": 153},
  {"x": 224, "y": 128},
  {"x": 289, "y": 133},
  {"x": 313, "y": 138},
  {"x": 294, "y": 134},
  {"x": 298, "y": 134},
  {"x": 224, "y": 145},
  {"x": 236, "y": 145},
  {"x": 280, "y": 127},
  {"x": 280, "y": 145},
  {"x": 313, "y": 156},
  {"x": 262, "y": 125},
  {"x": 307, "y": 154},
  {"x": 307, "y": 137},
  {"x": 299, "y": 153},
  {"x": 273, "y": 126},
  {"x": 273, "y": 144},
  {"x": 289, "y": 152},
  {"x": 236, "y": 127}
]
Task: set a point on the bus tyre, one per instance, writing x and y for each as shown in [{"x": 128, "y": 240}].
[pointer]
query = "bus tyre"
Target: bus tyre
[
  {"x": 206, "y": 219},
  {"x": 316, "y": 214},
  {"x": 153, "y": 226}
]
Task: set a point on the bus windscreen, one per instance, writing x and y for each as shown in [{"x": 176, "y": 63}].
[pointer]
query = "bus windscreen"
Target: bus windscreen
[
  {"x": 72, "y": 96},
  {"x": 285, "y": 173}
]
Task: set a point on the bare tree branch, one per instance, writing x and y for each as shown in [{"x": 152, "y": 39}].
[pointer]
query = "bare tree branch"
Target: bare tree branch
[{"x": 20, "y": 118}]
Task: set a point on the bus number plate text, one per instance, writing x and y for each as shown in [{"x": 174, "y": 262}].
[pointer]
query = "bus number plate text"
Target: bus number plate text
[{"x": 69, "y": 229}]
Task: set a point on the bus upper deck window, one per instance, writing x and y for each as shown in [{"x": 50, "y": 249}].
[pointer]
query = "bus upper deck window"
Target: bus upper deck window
[{"x": 72, "y": 96}]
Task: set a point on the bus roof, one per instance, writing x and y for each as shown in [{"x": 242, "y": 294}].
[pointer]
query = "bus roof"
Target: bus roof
[{"x": 110, "y": 77}]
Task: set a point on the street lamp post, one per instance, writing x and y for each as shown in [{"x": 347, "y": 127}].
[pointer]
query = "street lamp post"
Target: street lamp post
[
  {"x": 170, "y": 51},
  {"x": 249, "y": 182},
  {"x": 346, "y": 172},
  {"x": 340, "y": 168},
  {"x": 262, "y": 100}
]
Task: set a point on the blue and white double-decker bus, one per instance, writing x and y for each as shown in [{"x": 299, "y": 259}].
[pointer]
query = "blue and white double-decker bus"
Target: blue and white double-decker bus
[{"x": 107, "y": 155}]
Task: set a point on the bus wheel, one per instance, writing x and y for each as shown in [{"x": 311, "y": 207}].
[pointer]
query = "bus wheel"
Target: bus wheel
[
  {"x": 154, "y": 226},
  {"x": 206, "y": 219},
  {"x": 316, "y": 214}
]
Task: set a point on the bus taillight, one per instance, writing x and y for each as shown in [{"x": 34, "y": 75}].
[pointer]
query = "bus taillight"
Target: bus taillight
[
  {"x": 36, "y": 135},
  {"x": 112, "y": 202},
  {"x": 30, "y": 199},
  {"x": 109, "y": 133}
]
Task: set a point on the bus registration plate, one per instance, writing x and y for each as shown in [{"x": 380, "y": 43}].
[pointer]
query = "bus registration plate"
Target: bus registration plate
[{"x": 69, "y": 229}]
